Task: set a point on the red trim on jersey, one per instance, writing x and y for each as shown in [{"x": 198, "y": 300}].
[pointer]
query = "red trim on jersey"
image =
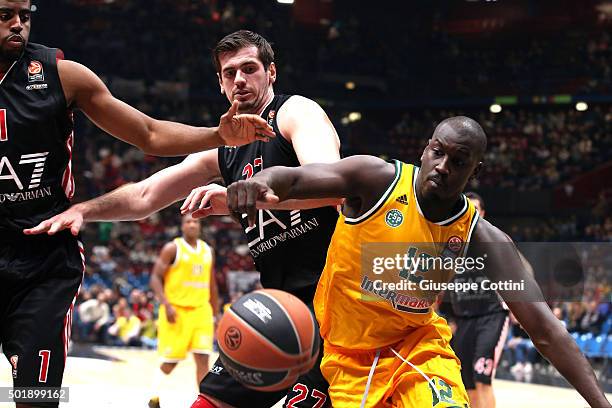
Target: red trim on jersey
[
  {"x": 59, "y": 55},
  {"x": 68, "y": 177},
  {"x": 67, "y": 331}
]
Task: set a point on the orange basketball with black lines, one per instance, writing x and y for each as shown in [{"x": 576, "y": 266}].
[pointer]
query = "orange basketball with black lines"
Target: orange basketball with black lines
[{"x": 267, "y": 339}]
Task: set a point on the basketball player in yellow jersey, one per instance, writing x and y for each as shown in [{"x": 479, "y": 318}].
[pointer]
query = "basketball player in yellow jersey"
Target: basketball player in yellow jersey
[
  {"x": 183, "y": 281},
  {"x": 385, "y": 347}
]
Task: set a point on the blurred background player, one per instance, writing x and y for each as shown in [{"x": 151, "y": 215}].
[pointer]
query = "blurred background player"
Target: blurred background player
[
  {"x": 184, "y": 283},
  {"x": 482, "y": 328}
]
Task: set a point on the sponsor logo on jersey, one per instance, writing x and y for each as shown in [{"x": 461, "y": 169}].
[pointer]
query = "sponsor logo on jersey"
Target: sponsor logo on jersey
[
  {"x": 259, "y": 309},
  {"x": 394, "y": 218},
  {"x": 216, "y": 370},
  {"x": 403, "y": 199},
  {"x": 35, "y": 87},
  {"x": 403, "y": 302},
  {"x": 35, "y": 72},
  {"x": 14, "y": 359},
  {"x": 25, "y": 195}
]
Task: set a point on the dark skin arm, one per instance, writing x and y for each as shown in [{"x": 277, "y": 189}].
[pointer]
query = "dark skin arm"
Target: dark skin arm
[
  {"x": 547, "y": 333},
  {"x": 360, "y": 179},
  {"x": 161, "y": 266}
]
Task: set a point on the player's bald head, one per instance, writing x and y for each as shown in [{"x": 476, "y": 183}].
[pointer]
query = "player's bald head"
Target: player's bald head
[{"x": 466, "y": 130}]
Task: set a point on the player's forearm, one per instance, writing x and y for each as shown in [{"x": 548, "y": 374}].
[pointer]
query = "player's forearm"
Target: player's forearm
[
  {"x": 175, "y": 139},
  {"x": 555, "y": 343},
  {"x": 158, "y": 288},
  {"x": 308, "y": 182},
  {"x": 127, "y": 203}
]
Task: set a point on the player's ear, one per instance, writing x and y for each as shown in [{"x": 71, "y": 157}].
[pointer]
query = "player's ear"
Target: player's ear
[
  {"x": 425, "y": 149},
  {"x": 220, "y": 84},
  {"x": 272, "y": 73},
  {"x": 476, "y": 171}
]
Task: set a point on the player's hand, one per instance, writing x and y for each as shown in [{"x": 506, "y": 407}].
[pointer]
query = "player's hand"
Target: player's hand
[
  {"x": 238, "y": 130},
  {"x": 206, "y": 200},
  {"x": 71, "y": 219},
  {"x": 244, "y": 196},
  {"x": 170, "y": 314}
]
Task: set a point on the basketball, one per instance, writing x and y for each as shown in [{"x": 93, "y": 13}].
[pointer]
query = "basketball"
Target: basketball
[{"x": 267, "y": 339}]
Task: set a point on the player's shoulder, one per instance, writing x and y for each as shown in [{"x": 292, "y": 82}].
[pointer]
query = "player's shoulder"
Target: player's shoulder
[
  {"x": 487, "y": 232},
  {"x": 298, "y": 106},
  {"x": 42, "y": 52}
]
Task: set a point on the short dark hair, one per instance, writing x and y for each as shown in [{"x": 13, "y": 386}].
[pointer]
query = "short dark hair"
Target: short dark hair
[
  {"x": 474, "y": 196},
  {"x": 242, "y": 39}
]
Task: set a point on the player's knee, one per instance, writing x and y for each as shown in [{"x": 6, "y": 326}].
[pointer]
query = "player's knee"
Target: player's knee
[{"x": 167, "y": 367}]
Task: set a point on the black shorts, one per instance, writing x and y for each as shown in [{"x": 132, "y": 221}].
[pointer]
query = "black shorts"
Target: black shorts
[
  {"x": 39, "y": 280},
  {"x": 478, "y": 342},
  {"x": 310, "y": 390}
]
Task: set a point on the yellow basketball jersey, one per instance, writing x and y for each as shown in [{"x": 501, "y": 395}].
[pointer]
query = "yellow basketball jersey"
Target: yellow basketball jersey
[
  {"x": 187, "y": 281},
  {"x": 354, "y": 309}
]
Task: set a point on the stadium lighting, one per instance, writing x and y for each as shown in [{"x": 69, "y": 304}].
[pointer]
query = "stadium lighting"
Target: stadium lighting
[
  {"x": 581, "y": 106},
  {"x": 354, "y": 116},
  {"x": 285, "y": 1},
  {"x": 495, "y": 108},
  {"x": 350, "y": 85}
]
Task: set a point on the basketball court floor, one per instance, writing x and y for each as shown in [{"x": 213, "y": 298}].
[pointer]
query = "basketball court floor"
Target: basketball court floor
[{"x": 121, "y": 378}]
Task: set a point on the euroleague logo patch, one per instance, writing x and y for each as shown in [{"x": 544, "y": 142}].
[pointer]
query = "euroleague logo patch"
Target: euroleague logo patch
[
  {"x": 455, "y": 243},
  {"x": 271, "y": 116},
  {"x": 35, "y": 72},
  {"x": 233, "y": 338},
  {"x": 394, "y": 218}
]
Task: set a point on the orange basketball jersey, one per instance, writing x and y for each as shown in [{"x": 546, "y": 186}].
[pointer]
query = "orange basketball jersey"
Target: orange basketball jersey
[{"x": 391, "y": 244}]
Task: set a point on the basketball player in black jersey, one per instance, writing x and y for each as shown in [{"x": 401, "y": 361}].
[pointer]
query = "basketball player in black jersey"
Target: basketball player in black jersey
[
  {"x": 452, "y": 156},
  {"x": 289, "y": 247},
  {"x": 40, "y": 276},
  {"x": 482, "y": 327}
]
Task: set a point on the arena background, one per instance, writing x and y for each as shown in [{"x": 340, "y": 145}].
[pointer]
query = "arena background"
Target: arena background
[{"x": 537, "y": 74}]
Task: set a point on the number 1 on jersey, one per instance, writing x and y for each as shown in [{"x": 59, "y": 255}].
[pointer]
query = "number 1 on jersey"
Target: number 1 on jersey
[
  {"x": 44, "y": 365},
  {"x": 3, "y": 127}
]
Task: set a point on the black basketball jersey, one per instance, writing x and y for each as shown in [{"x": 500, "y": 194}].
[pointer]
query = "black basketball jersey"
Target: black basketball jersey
[
  {"x": 35, "y": 142},
  {"x": 473, "y": 303},
  {"x": 289, "y": 247}
]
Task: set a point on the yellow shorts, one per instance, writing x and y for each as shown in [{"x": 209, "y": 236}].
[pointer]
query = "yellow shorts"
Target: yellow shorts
[
  {"x": 395, "y": 383},
  {"x": 192, "y": 331}
]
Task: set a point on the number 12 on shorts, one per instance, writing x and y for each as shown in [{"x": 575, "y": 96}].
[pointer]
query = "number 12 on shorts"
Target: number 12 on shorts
[{"x": 44, "y": 365}]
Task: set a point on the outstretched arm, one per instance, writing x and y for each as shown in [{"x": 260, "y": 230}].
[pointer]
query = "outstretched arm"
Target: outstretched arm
[
  {"x": 359, "y": 179},
  {"x": 304, "y": 124},
  {"x": 137, "y": 200},
  {"x": 547, "y": 333},
  {"x": 84, "y": 90}
]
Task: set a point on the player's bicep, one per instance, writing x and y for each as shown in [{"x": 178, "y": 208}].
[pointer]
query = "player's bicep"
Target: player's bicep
[
  {"x": 353, "y": 177},
  {"x": 86, "y": 91},
  {"x": 309, "y": 130},
  {"x": 503, "y": 264},
  {"x": 164, "y": 260}
]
